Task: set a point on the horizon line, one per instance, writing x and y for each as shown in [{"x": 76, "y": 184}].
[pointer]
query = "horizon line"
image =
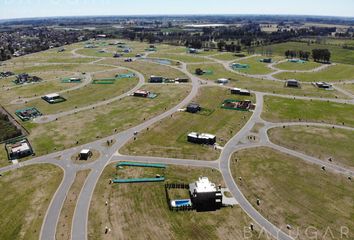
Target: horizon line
[{"x": 176, "y": 15}]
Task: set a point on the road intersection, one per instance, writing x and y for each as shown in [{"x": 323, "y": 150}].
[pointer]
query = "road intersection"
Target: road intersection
[{"x": 110, "y": 154}]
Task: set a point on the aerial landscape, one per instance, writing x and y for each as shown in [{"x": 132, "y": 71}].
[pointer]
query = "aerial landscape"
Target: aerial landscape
[{"x": 176, "y": 120}]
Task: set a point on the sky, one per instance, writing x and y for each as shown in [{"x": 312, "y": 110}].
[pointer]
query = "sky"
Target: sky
[{"x": 47, "y": 8}]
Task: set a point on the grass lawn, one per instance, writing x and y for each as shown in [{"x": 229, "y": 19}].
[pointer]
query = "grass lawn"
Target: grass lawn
[
  {"x": 102, "y": 121},
  {"x": 339, "y": 54},
  {"x": 169, "y": 137},
  {"x": 140, "y": 211},
  {"x": 255, "y": 66},
  {"x": 51, "y": 83},
  {"x": 294, "y": 192},
  {"x": 297, "y": 66},
  {"x": 260, "y": 85},
  {"x": 64, "y": 224},
  {"x": 94, "y": 52},
  {"x": 289, "y": 110},
  {"x": 27, "y": 68},
  {"x": 84, "y": 96},
  {"x": 183, "y": 57},
  {"x": 319, "y": 142},
  {"x": 348, "y": 87},
  {"x": 333, "y": 73},
  {"x": 226, "y": 56},
  {"x": 69, "y": 60},
  {"x": 149, "y": 68},
  {"x": 3, "y": 156},
  {"x": 24, "y": 198}
]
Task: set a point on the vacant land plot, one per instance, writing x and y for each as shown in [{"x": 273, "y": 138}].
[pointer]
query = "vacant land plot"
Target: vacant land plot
[
  {"x": 64, "y": 224},
  {"x": 169, "y": 137},
  {"x": 140, "y": 211},
  {"x": 149, "y": 68},
  {"x": 27, "y": 68},
  {"x": 3, "y": 156},
  {"x": 289, "y": 110},
  {"x": 339, "y": 54},
  {"x": 255, "y": 84},
  {"x": 333, "y": 73},
  {"x": 322, "y": 143},
  {"x": 348, "y": 87},
  {"x": 255, "y": 66},
  {"x": 294, "y": 192},
  {"x": 94, "y": 52},
  {"x": 23, "y": 208},
  {"x": 84, "y": 96},
  {"x": 87, "y": 126},
  {"x": 188, "y": 58},
  {"x": 226, "y": 56},
  {"x": 297, "y": 66}
]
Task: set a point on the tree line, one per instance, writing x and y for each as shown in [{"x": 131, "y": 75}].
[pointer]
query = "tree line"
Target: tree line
[{"x": 318, "y": 55}]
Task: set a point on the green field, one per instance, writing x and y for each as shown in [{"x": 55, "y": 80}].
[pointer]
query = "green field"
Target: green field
[
  {"x": 24, "y": 198},
  {"x": 260, "y": 85},
  {"x": 339, "y": 54},
  {"x": 29, "y": 68},
  {"x": 297, "y": 66},
  {"x": 226, "y": 56},
  {"x": 255, "y": 66},
  {"x": 169, "y": 137},
  {"x": 332, "y": 73},
  {"x": 149, "y": 68},
  {"x": 140, "y": 211},
  {"x": 294, "y": 192},
  {"x": 322, "y": 143},
  {"x": 84, "y": 96},
  {"x": 87, "y": 126},
  {"x": 188, "y": 58},
  {"x": 289, "y": 110}
]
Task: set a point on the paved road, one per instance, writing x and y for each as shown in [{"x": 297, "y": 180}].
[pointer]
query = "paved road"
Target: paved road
[{"x": 111, "y": 154}]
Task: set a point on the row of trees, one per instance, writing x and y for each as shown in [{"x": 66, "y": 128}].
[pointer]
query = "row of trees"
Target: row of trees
[
  {"x": 300, "y": 54},
  {"x": 318, "y": 55},
  {"x": 321, "y": 55}
]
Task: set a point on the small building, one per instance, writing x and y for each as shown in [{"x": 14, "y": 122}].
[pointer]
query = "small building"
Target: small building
[
  {"x": 85, "y": 154},
  {"x": 182, "y": 80},
  {"x": 266, "y": 60},
  {"x": 193, "y": 108},
  {"x": 201, "y": 138},
  {"x": 19, "y": 149},
  {"x": 101, "y": 36},
  {"x": 6, "y": 74},
  {"x": 222, "y": 81},
  {"x": 192, "y": 50},
  {"x": 205, "y": 196},
  {"x": 156, "y": 79},
  {"x": 239, "y": 66},
  {"x": 240, "y": 91},
  {"x": 53, "y": 98},
  {"x": 292, "y": 83},
  {"x": 323, "y": 85},
  {"x": 141, "y": 93},
  {"x": 117, "y": 55}
]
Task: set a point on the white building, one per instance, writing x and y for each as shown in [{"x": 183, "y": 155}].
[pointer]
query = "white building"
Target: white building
[
  {"x": 222, "y": 80},
  {"x": 205, "y": 195}
]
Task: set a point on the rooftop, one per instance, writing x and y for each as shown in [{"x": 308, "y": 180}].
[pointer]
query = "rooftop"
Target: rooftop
[{"x": 204, "y": 185}]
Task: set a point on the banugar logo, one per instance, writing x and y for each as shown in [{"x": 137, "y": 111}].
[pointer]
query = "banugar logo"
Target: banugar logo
[{"x": 309, "y": 233}]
